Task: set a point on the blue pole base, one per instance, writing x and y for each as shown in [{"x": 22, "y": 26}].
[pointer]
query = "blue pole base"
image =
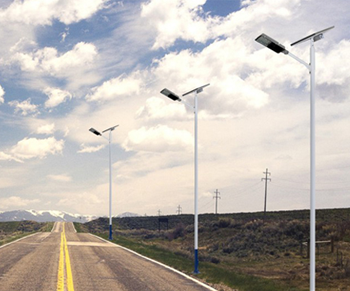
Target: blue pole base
[
  {"x": 110, "y": 232},
  {"x": 195, "y": 262}
]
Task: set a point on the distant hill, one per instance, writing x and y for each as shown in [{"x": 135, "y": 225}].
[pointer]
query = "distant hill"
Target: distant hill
[
  {"x": 44, "y": 216},
  {"x": 128, "y": 214}
]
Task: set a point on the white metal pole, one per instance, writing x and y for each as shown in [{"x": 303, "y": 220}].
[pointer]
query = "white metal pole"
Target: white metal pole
[
  {"x": 196, "y": 184},
  {"x": 312, "y": 172},
  {"x": 110, "y": 185}
]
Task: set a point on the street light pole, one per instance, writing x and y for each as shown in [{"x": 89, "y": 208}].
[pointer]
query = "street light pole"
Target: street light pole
[
  {"x": 196, "y": 260},
  {"x": 110, "y": 185},
  {"x": 278, "y": 48},
  {"x": 175, "y": 97},
  {"x": 94, "y": 131},
  {"x": 313, "y": 169}
]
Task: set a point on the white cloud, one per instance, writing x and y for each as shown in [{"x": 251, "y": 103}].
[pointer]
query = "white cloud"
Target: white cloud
[
  {"x": 90, "y": 149},
  {"x": 56, "y": 96},
  {"x": 29, "y": 148},
  {"x": 60, "y": 178},
  {"x": 7, "y": 157},
  {"x": 158, "y": 138},
  {"x": 48, "y": 59},
  {"x": 23, "y": 44},
  {"x": 238, "y": 136},
  {"x": 25, "y": 107},
  {"x": 157, "y": 108},
  {"x": 334, "y": 70},
  {"x": 333, "y": 77},
  {"x": 15, "y": 201},
  {"x": 6, "y": 182},
  {"x": 64, "y": 35},
  {"x": 243, "y": 95},
  {"x": 139, "y": 165},
  {"x": 2, "y": 93},
  {"x": 254, "y": 14},
  {"x": 174, "y": 19},
  {"x": 46, "y": 129},
  {"x": 92, "y": 201},
  {"x": 180, "y": 19},
  {"x": 113, "y": 88},
  {"x": 229, "y": 93},
  {"x": 42, "y": 12}
]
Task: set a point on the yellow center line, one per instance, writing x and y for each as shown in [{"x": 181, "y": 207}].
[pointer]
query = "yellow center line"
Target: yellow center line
[
  {"x": 60, "y": 278},
  {"x": 64, "y": 256},
  {"x": 68, "y": 267}
]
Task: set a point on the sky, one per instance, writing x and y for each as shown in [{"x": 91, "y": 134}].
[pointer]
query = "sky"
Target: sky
[{"x": 67, "y": 66}]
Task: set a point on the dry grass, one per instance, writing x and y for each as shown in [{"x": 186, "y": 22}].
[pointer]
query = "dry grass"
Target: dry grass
[{"x": 253, "y": 246}]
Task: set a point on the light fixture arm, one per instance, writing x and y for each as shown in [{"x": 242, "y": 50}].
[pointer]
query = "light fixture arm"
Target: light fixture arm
[
  {"x": 188, "y": 105},
  {"x": 308, "y": 66},
  {"x": 106, "y": 138}
]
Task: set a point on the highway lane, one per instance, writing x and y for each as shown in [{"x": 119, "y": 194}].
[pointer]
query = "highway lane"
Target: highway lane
[
  {"x": 30, "y": 263},
  {"x": 34, "y": 264},
  {"x": 100, "y": 265}
]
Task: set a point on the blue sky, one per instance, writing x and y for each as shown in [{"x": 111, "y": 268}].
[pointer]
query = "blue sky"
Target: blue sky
[{"x": 66, "y": 66}]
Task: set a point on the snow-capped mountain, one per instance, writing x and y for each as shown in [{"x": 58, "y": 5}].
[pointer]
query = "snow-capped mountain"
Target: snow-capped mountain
[
  {"x": 127, "y": 214},
  {"x": 44, "y": 216}
]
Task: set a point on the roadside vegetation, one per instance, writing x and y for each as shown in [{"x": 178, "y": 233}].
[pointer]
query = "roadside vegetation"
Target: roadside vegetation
[
  {"x": 10, "y": 231},
  {"x": 244, "y": 251}
]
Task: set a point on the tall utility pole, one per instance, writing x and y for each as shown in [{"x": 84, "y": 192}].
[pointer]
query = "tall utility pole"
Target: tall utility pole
[
  {"x": 217, "y": 196},
  {"x": 266, "y": 179},
  {"x": 179, "y": 210}
]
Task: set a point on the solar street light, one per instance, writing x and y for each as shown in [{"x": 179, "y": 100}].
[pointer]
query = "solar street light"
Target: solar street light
[
  {"x": 175, "y": 97},
  {"x": 94, "y": 131},
  {"x": 276, "y": 47}
]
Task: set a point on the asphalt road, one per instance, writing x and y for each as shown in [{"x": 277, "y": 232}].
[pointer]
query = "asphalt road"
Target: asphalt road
[{"x": 66, "y": 260}]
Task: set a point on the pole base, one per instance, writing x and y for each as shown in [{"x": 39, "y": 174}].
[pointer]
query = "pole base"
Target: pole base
[
  {"x": 196, "y": 262},
  {"x": 110, "y": 232}
]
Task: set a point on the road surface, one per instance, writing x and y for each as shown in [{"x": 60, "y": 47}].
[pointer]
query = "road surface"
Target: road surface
[{"x": 64, "y": 260}]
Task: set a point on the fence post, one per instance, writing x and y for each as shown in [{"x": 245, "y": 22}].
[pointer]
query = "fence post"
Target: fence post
[{"x": 332, "y": 244}]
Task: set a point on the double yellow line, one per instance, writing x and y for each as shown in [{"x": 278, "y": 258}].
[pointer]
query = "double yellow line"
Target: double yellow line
[{"x": 64, "y": 258}]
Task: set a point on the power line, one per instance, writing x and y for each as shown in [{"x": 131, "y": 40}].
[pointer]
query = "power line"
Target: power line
[
  {"x": 204, "y": 207},
  {"x": 244, "y": 190}
]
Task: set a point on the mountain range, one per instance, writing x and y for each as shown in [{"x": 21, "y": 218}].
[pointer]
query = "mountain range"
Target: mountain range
[
  {"x": 43, "y": 216},
  {"x": 51, "y": 215}
]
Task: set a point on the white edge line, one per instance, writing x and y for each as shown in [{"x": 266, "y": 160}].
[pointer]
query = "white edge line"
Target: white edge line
[
  {"x": 17, "y": 240},
  {"x": 159, "y": 263},
  {"x": 74, "y": 227},
  {"x": 53, "y": 226}
]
